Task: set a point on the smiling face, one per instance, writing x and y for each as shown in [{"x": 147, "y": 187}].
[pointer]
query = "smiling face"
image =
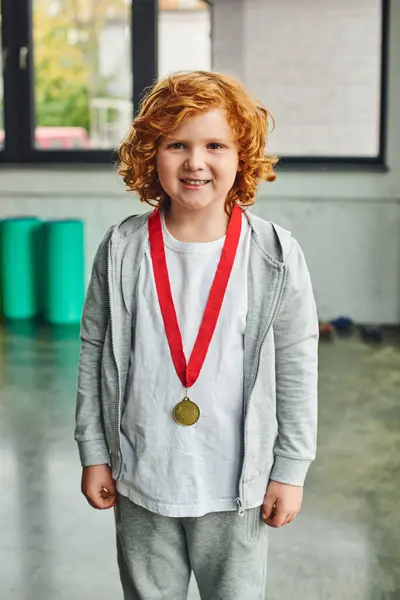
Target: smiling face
[{"x": 197, "y": 164}]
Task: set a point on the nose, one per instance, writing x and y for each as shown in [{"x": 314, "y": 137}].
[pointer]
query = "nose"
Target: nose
[{"x": 194, "y": 160}]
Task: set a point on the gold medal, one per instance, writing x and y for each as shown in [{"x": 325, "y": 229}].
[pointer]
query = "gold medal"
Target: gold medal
[{"x": 186, "y": 412}]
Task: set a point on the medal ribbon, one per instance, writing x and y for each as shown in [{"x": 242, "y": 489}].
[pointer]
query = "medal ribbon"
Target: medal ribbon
[{"x": 188, "y": 373}]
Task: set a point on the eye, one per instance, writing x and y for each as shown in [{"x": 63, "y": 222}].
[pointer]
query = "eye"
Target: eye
[
  {"x": 174, "y": 145},
  {"x": 216, "y": 144}
]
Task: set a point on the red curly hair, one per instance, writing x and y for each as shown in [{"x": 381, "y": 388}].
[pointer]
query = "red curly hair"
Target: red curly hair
[{"x": 168, "y": 104}]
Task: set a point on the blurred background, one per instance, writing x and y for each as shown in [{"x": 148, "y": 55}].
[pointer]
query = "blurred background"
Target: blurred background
[{"x": 73, "y": 73}]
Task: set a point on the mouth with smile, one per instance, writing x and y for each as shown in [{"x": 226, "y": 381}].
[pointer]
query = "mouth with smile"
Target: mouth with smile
[{"x": 193, "y": 184}]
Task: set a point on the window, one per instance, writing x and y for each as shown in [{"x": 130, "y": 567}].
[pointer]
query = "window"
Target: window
[
  {"x": 82, "y": 73},
  {"x": 74, "y": 75},
  {"x": 1, "y": 92},
  {"x": 74, "y": 72},
  {"x": 188, "y": 24},
  {"x": 318, "y": 66}
]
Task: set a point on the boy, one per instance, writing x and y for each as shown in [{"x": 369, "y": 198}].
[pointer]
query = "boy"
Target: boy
[{"x": 197, "y": 393}]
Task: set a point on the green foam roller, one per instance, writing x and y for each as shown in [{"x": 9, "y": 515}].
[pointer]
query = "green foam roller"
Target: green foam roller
[
  {"x": 19, "y": 267},
  {"x": 63, "y": 250}
]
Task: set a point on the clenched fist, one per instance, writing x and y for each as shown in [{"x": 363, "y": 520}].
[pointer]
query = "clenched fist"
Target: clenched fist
[
  {"x": 98, "y": 486},
  {"x": 282, "y": 503}
]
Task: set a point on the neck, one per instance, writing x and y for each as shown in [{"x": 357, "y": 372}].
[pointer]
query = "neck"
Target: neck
[{"x": 205, "y": 225}]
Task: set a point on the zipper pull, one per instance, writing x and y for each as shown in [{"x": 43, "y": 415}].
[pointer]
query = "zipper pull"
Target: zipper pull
[{"x": 241, "y": 510}]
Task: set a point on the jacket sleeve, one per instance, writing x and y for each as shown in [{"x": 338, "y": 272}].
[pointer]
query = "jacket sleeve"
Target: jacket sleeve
[
  {"x": 89, "y": 427},
  {"x": 296, "y": 335}
]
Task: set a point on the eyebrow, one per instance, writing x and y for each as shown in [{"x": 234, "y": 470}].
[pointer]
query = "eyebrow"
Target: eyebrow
[{"x": 209, "y": 140}]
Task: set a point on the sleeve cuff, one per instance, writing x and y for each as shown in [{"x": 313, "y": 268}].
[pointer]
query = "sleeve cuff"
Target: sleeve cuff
[
  {"x": 289, "y": 470},
  {"x": 94, "y": 453}
]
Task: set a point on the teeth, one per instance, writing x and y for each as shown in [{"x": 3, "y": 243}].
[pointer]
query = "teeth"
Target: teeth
[{"x": 196, "y": 182}]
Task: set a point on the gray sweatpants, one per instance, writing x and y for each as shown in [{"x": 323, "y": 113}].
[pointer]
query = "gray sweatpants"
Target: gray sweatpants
[{"x": 156, "y": 554}]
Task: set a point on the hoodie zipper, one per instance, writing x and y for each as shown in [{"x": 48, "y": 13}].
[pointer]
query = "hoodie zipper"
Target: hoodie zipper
[
  {"x": 119, "y": 393},
  {"x": 239, "y": 499}
]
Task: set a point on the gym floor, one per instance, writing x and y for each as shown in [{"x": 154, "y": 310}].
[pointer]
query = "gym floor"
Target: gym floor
[{"x": 345, "y": 544}]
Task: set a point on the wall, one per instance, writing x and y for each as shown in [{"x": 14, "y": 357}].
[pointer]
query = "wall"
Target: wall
[{"x": 348, "y": 223}]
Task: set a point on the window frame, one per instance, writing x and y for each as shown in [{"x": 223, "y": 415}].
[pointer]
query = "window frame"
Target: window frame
[
  {"x": 19, "y": 114},
  {"x": 356, "y": 163},
  {"x": 19, "y": 111}
]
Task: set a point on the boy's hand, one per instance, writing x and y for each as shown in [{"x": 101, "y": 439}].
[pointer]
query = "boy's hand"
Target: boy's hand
[
  {"x": 282, "y": 503},
  {"x": 98, "y": 486}
]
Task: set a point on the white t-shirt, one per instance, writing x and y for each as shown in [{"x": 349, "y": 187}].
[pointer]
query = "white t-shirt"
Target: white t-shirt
[{"x": 170, "y": 469}]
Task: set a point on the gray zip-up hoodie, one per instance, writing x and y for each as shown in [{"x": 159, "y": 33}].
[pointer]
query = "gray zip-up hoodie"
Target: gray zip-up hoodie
[{"x": 280, "y": 356}]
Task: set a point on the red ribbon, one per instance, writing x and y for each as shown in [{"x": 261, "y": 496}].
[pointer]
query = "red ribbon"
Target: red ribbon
[{"x": 188, "y": 373}]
